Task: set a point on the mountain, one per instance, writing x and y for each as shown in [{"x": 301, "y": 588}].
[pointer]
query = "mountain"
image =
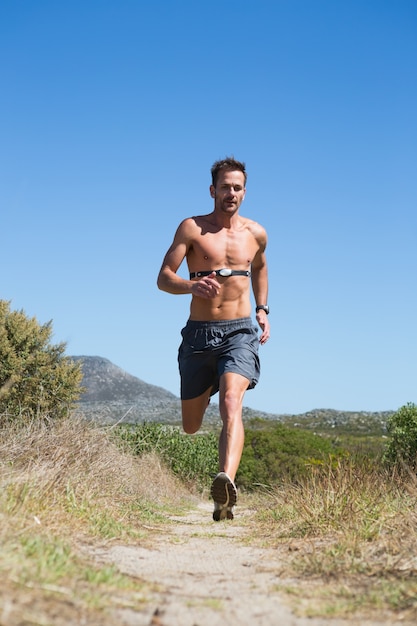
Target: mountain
[
  {"x": 112, "y": 395},
  {"x": 105, "y": 382}
]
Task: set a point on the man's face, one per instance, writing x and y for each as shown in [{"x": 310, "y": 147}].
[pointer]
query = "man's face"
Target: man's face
[{"x": 229, "y": 191}]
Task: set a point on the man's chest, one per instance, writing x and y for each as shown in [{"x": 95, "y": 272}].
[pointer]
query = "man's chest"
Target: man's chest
[{"x": 230, "y": 247}]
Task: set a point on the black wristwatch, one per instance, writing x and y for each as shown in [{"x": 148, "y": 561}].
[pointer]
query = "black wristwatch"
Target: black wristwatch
[{"x": 263, "y": 307}]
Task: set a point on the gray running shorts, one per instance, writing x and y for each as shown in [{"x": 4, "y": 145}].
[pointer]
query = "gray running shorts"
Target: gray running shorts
[{"x": 209, "y": 349}]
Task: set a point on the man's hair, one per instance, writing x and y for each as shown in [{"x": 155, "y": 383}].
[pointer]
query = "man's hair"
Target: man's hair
[{"x": 229, "y": 164}]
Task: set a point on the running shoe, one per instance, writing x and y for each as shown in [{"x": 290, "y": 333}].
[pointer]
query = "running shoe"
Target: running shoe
[{"x": 224, "y": 494}]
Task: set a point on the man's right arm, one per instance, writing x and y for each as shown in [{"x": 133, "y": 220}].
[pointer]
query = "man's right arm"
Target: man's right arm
[{"x": 168, "y": 279}]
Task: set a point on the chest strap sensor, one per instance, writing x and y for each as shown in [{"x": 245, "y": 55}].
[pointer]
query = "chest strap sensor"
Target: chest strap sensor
[{"x": 223, "y": 272}]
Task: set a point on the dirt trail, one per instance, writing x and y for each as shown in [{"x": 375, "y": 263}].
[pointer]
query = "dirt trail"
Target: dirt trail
[{"x": 206, "y": 576}]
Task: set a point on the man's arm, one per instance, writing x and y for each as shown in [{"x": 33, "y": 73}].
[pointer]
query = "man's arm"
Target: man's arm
[
  {"x": 260, "y": 285},
  {"x": 168, "y": 280}
]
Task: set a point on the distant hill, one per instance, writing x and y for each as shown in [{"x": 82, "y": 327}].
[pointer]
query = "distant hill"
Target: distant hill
[
  {"x": 105, "y": 382},
  {"x": 113, "y": 395}
]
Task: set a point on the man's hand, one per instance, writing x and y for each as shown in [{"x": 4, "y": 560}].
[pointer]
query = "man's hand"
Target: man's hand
[
  {"x": 208, "y": 287},
  {"x": 262, "y": 319}
]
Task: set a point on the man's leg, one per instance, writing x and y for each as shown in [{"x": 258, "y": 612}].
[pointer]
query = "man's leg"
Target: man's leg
[
  {"x": 193, "y": 412},
  {"x": 232, "y": 389},
  {"x": 223, "y": 489}
]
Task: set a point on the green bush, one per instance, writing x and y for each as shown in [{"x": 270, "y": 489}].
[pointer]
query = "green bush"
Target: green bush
[
  {"x": 401, "y": 448},
  {"x": 36, "y": 379},
  {"x": 194, "y": 458},
  {"x": 274, "y": 451},
  {"x": 271, "y": 453}
]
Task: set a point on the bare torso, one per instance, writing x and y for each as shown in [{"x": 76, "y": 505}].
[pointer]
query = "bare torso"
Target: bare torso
[
  {"x": 221, "y": 239},
  {"x": 212, "y": 247}
]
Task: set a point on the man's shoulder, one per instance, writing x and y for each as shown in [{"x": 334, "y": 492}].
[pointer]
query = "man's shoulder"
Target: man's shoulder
[
  {"x": 195, "y": 223},
  {"x": 255, "y": 228},
  {"x": 195, "y": 219},
  {"x": 190, "y": 228}
]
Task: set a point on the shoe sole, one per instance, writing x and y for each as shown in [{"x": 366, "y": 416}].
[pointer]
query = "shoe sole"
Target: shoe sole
[
  {"x": 222, "y": 514},
  {"x": 223, "y": 491}
]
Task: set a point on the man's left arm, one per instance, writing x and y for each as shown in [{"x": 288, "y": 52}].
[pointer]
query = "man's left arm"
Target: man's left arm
[{"x": 260, "y": 289}]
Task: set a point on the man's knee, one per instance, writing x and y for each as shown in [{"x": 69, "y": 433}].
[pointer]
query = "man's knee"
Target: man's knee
[
  {"x": 232, "y": 397},
  {"x": 193, "y": 413},
  {"x": 188, "y": 428},
  {"x": 191, "y": 423}
]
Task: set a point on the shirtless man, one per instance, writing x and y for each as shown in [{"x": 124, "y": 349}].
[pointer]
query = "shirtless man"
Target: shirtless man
[{"x": 225, "y": 255}]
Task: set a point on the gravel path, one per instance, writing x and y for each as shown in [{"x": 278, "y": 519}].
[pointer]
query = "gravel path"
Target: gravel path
[{"x": 203, "y": 574}]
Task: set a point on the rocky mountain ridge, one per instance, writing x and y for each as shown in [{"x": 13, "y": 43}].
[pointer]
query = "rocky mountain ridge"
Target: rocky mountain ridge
[{"x": 112, "y": 395}]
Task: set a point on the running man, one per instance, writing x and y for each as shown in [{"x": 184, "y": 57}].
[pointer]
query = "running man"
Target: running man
[{"x": 225, "y": 254}]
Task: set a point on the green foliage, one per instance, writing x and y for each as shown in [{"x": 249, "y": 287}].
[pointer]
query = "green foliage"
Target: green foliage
[
  {"x": 368, "y": 448},
  {"x": 193, "y": 458},
  {"x": 274, "y": 452},
  {"x": 36, "y": 379},
  {"x": 402, "y": 432}
]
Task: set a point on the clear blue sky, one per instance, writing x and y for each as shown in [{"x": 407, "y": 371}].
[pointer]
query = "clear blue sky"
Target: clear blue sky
[{"x": 111, "y": 115}]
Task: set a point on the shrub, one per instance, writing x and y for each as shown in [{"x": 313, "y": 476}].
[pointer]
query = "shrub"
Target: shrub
[
  {"x": 274, "y": 452},
  {"x": 36, "y": 379},
  {"x": 401, "y": 448},
  {"x": 193, "y": 458}
]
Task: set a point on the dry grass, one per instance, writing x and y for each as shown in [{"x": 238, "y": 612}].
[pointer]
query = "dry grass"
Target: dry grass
[
  {"x": 349, "y": 533},
  {"x": 62, "y": 487}
]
